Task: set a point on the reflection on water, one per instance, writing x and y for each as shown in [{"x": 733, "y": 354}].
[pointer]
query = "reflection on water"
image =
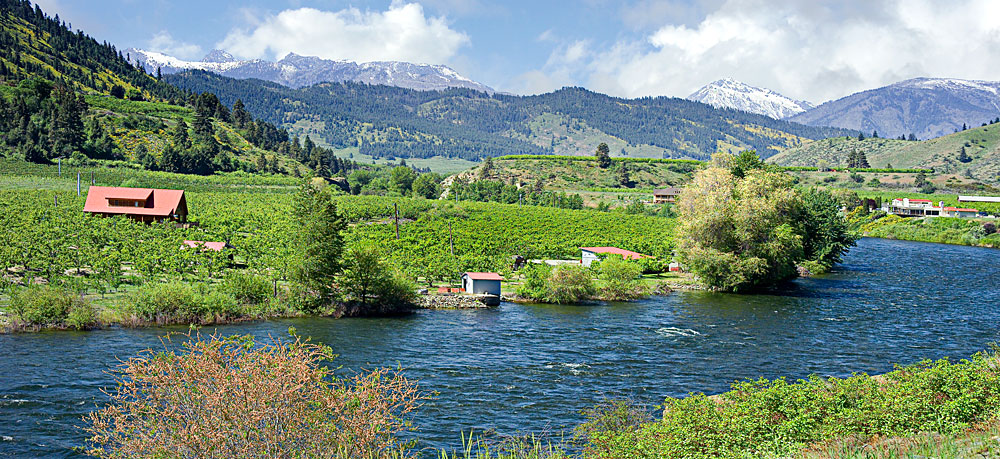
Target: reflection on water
[{"x": 536, "y": 367}]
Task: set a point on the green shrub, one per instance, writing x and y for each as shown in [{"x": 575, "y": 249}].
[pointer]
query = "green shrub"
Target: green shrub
[
  {"x": 177, "y": 302},
  {"x": 81, "y": 315},
  {"x": 570, "y": 284},
  {"x": 245, "y": 287},
  {"x": 41, "y": 305},
  {"x": 776, "y": 418},
  {"x": 536, "y": 281},
  {"x": 622, "y": 279}
]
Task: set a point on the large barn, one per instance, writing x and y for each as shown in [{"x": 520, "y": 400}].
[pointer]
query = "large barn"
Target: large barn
[{"x": 140, "y": 204}]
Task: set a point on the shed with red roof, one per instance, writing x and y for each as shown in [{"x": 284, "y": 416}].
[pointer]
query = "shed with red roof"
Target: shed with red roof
[
  {"x": 482, "y": 283},
  {"x": 140, "y": 204},
  {"x": 592, "y": 254}
]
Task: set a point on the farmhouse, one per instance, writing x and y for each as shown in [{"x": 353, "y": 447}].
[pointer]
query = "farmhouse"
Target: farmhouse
[
  {"x": 959, "y": 212},
  {"x": 482, "y": 283},
  {"x": 665, "y": 195},
  {"x": 592, "y": 254},
  {"x": 140, "y": 204}
]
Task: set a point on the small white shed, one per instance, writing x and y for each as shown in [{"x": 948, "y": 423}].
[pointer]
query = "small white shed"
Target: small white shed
[{"x": 482, "y": 283}]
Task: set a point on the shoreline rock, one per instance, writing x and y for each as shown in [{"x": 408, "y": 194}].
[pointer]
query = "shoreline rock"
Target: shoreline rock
[{"x": 457, "y": 301}]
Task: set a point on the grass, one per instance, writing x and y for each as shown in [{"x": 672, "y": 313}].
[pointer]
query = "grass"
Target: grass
[{"x": 982, "y": 441}]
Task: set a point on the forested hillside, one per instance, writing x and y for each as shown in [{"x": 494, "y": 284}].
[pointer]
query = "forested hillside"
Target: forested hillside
[
  {"x": 394, "y": 122},
  {"x": 65, "y": 95},
  {"x": 34, "y": 44}
]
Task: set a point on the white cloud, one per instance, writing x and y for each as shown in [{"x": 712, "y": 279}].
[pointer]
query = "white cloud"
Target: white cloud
[
  {"x": 401, "y": 33},
  {"x": 164, "y": 43},
  {"x": 809, "y": 50},
  {"x": 562, "y": 67}
]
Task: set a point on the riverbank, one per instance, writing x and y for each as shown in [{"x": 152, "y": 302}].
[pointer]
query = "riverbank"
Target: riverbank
[{"x": 941, "y": 230}]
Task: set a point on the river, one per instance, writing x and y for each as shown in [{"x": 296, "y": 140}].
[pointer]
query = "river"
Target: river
[{"x": 524, "y": 368}]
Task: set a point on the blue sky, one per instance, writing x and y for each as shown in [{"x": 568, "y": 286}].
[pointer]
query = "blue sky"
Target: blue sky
[{"x": 814, "y": 50}]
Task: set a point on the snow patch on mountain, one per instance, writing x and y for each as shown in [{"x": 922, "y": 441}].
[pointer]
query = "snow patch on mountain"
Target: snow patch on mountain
[
  {"x": 298, "y": 71},
  {"x": 729, "y": 93}
]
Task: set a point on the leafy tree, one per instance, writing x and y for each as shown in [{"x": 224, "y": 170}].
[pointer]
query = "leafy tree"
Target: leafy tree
[
  {"x": 401, "y": 179},
  {"x": 603, "y": 156},
  {"x": 738, "y": 234},
  {"x": 427, "y": 186},
  {"x": 371, "y": 287},
  {"x": 742, "y": 163}
]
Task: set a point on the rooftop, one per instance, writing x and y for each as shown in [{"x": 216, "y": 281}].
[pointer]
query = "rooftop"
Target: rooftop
[
  {"x": 484, "y": 276},
  {"x": 615, "y": 250},
  {"x": 159, "y": 203}
]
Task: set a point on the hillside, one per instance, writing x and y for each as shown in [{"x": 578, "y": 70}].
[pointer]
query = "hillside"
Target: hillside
[
  {"x": 924, "y": 107},
  {"x": 382, "y": 121},
  {"x": 298, "y": 71},
  {"x": 981, "y": 159},
  {"x": 34, "y": 44}
]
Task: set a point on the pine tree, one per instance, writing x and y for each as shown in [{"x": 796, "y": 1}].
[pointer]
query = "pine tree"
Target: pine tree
[
  {"x": 240, "y": 114},
  {"x": 603, "y": 156},
  {"x": 623, "y": 176},
  {"x": 320, "y": 241},
  {"x": 179, "y": 135}
]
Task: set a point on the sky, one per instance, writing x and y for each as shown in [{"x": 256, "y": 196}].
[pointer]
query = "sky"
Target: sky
[{"x": 814, "y": 50}]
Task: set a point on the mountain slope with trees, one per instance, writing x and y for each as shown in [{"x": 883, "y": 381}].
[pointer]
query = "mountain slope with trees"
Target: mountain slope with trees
[
  {"x": 972, "y": 153},
  {"x": 385, "y": 121}
]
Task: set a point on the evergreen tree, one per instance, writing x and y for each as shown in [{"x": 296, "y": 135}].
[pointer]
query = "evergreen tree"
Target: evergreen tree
[
  {"x": 623, "y": 176},
  {"x": 179, "y": 135},
  {"x": 603, "y": 156},
  {"x": 240, "y": 114},
  {"x": 320, "y": 242},
  {"x": 963, "y": 156}
]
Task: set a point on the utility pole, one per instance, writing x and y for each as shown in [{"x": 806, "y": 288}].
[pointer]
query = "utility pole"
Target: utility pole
[
  {"x": 396, "y": 205},
  {"x": 92, "y": 181},
  {"x": 78, "y": 183},
  {"x": 59, "y": 162}
]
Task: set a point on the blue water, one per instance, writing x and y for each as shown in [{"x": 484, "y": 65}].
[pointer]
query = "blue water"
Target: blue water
[{"x": 534, "y": 368}]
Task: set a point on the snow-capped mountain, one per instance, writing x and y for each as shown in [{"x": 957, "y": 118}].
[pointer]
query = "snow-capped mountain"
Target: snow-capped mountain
[
  {"x": 729, "y": 93},
  {"x": 926, "y": 107},
  {"x": 297, "y": 71}
]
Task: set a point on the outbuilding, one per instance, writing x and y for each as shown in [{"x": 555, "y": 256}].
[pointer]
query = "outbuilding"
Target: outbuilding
[{"x": 482, "y": 283}]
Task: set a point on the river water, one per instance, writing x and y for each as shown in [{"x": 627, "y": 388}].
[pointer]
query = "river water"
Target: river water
[{"x": 524, "y": 368}]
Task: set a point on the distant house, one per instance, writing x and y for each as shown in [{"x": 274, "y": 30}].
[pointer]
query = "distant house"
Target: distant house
[
  {"x": 906, "y": 207},
  {"x": 665, "y": 195},
  {"x": 140, "y": 204},
  {"x": 591, "y": 254},
  {"x": 482, "y": 283}
]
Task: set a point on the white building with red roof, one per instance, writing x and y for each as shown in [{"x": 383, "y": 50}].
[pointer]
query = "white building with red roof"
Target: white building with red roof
[
  {"x": 140, "y": 204},
  {"x": 592, "y": 254},
  {"x": 906, "y": 207},
  {"x": 482, "y": 283}
]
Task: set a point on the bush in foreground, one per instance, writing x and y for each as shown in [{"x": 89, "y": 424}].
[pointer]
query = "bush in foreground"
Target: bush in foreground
[
  {"x": 564, "y": 284},
  {"x": 775, "y": 418},
  {"x": 234, "y": 397}
]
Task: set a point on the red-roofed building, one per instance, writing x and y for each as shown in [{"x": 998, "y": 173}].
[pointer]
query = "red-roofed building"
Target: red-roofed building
[
  {"x": 482, "y": 283},
  {"x": 140, "y": 204},
  {"x": 592, "y": 254},
  {"x": 203, "y": 245},
  {"x": 959, "y": 212}
]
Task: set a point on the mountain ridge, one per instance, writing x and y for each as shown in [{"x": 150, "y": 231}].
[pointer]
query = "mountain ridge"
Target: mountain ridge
[
  {"x": 296, "y": 71},
  {"x": 926, "y": 107},
  {"x": 736, "y": 95}
]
